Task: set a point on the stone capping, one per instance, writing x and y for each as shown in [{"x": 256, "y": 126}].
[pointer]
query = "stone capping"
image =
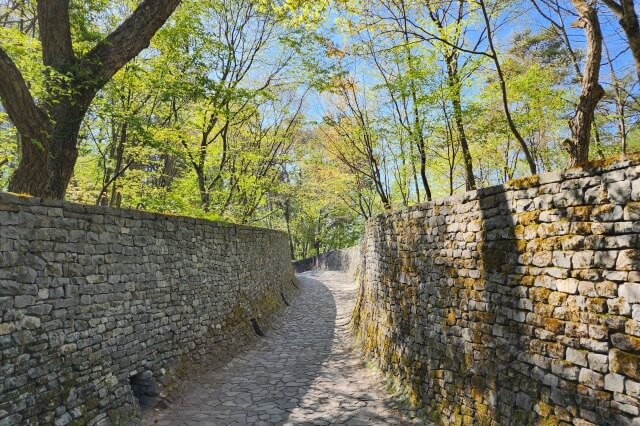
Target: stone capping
[
  {"x": 520, "y": 184},
  {"x": 125, "y": 213}
]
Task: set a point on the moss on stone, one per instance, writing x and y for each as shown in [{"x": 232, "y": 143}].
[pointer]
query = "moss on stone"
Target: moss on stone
[
  {"x": 524, "y": 183},
  {"x": 528, "y": 218}
]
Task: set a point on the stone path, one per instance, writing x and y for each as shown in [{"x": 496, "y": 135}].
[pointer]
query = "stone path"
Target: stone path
[{"x": 304, "y": 371}]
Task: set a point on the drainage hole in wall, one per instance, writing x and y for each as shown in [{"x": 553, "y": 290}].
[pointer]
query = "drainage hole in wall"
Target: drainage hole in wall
[{"x": 144, "y": 388}]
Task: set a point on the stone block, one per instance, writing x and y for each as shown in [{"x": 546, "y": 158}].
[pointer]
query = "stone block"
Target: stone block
[
  {"x": 630, "y": 292},
  {"x": 632, "y": 211},
  {"x": 582, "y": 260},
  {"x": 628, "y": 260},
  {"x": 635, "y": 190},
  {"x": 607, "y": 213},
  {"x": 569, "y": 285},
  {"x": 619, "y": 192},
  {"x": 614, "y": 382},
  {"x": 591, "y": 378},
  {"x": 626, "y": 342},
  {"x": 605, "y": 259},
  {"x": 624, "y": 363},
  {"x": 577, "y": 356},
  {"x": 598, "y": 362},
  {"x": 562, "y": 259},
  {"x": 632, "y": 388}
]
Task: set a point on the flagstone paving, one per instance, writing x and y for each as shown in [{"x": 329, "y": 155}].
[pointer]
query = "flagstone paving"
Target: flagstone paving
[{"x": 306, "y": 370}]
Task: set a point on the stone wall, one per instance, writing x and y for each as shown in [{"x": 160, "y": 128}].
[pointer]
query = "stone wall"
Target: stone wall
[
  {"x": 97, "y": 304},
  {"x": 346, "y": 260},
  {"x": 516, "y": 304}
]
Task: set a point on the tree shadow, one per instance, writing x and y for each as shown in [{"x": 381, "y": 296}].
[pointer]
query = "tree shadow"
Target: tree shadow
[
  {"x": 267, "y": 381},
  {"x": 500, "y": 369}
]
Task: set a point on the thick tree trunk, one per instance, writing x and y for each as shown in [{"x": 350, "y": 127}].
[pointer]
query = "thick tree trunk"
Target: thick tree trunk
[
  {"x": 49, "y": 132},
  {"x": 46, "y": 165},
  {"x": 33, "y": 174},
  {"x": 592, "y": 91}
]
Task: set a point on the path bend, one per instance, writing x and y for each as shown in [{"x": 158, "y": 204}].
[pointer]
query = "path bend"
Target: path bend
[{"x": 306, "y": 370}]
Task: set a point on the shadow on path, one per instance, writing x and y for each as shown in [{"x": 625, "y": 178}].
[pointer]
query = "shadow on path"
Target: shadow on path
[{"x": 303, "y": 371}]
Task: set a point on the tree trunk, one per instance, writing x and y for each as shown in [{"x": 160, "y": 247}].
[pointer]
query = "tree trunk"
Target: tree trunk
[
  {"x": 119, "y": 157},
  {"x": 422, "y": 146},
  {"x": 628, "y": 19},
  {"x": 33, "y": 175},
  {"x": 202, "y": 188},
  {"x": 49, "y": 132},
  {"x": 503, "y": 90},
  {"x": 46, "y": 166},
  {"x": 592, "y": 91},
  {"x": 453, "y": 81},
  {"x": 423, "y": 175},
  {"x": 287, "y": 217}
]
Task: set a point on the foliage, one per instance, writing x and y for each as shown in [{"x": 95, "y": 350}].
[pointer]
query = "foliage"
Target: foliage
[{"x": 312, "y": 117}]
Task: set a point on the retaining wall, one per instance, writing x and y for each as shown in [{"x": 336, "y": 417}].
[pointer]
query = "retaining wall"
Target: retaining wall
[
  {"x": 96, "y": 304},
  {"x": 516, "y": 304}
]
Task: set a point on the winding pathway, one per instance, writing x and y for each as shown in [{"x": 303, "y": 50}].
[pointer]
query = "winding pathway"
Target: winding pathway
[{"x": 306, "y": 370}]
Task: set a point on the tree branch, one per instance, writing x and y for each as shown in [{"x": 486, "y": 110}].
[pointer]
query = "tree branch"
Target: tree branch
[
  {"x": 615, "y": 8},
  {"x": 129, "y": 39},
  {"x": 30, "y": 121}
]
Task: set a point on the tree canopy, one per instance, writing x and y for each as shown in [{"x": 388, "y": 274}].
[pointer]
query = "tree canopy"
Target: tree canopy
[{"x": 307, "y": 116}]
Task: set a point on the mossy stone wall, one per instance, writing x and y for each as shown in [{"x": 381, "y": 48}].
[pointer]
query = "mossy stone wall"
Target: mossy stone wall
[{"x": 515, "y": 304}]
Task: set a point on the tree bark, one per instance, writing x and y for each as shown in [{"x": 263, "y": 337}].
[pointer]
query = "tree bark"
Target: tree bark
[
  {"x": 55, "y": 33},
  {"x": 205, "y": 198},
  {"x": 592, "y": 91},
  {"x": 453, "y": 82},
  {"x": 48, "y": 134},
  {"x": 422, "y": 146},
  {"x": 628, "y": 19}
]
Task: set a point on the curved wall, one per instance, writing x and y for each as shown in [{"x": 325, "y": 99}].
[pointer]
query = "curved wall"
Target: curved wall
[{"x": 345, "y": 260}]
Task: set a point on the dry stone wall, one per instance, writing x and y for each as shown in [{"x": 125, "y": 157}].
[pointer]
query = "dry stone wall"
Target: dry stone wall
[
  {"x": 97, "y": 304},
  {"x": 516, "y": 304}
]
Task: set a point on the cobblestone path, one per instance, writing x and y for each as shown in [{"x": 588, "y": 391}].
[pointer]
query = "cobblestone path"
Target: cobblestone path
[{"x": 304, "y": 371}]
